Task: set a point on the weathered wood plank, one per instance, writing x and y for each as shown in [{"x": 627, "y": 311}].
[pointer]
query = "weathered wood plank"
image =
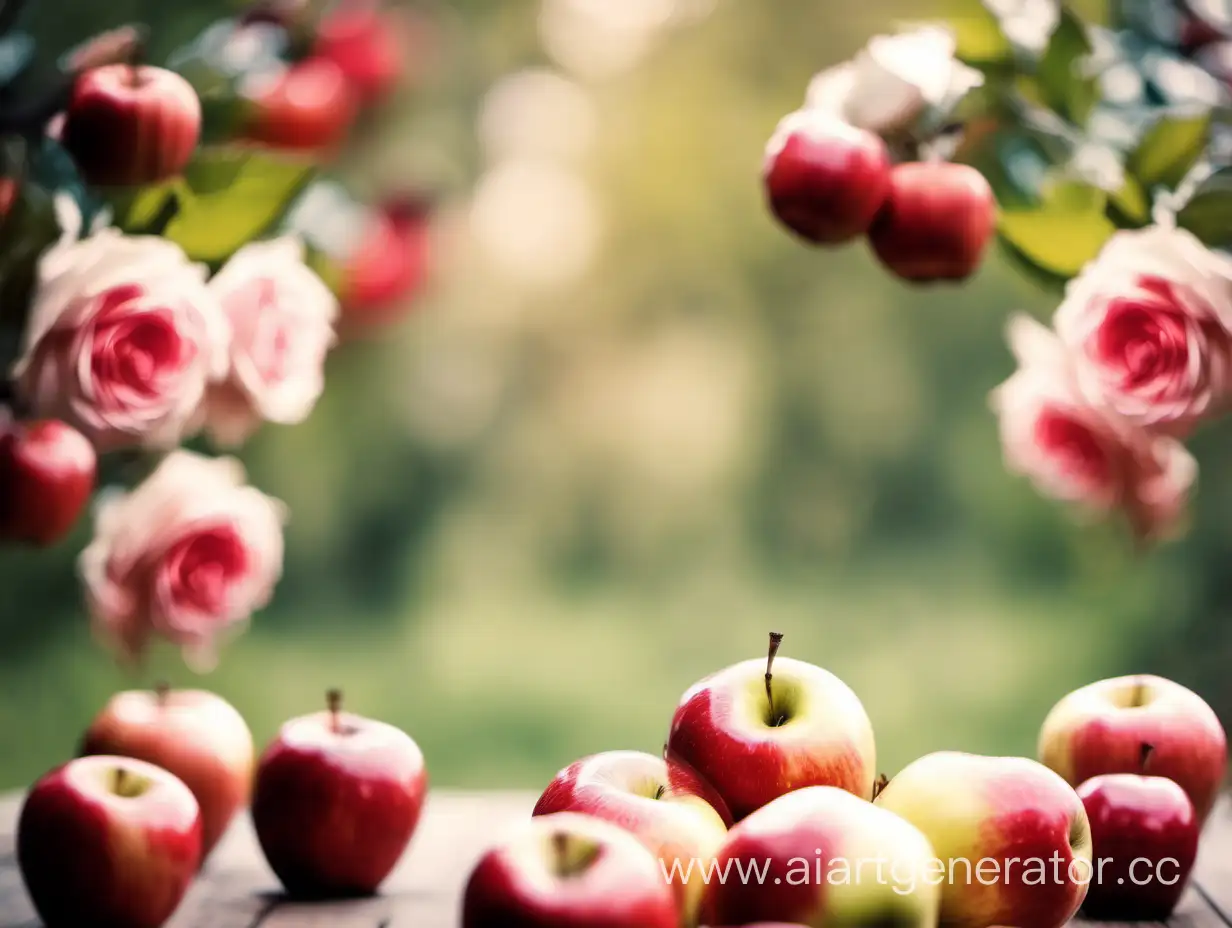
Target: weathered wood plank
[{"x": 1213, "y": 871}]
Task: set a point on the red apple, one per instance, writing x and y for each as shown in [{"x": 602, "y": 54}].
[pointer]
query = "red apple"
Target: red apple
[
  {"x": 129, "y": 125},
  {"x": 825, "y": 179},
  {"x": 336, "y": 802},
  {"x": 47, "y": 473},
  {"x": 1101, "y": 728},
  {"x": 309, "y": 107},
  {"x": 666, "y": 806},
  {"x": 809, "y": 856},
  {"x": 1145, "y": 833},
  {"x": 936, "y": 222},
  {"x": 388, "y": 267},
  {"x": 108, "y": 841},
  {"x": 754, "y": 734},
  {"x": 365, "y": 43},
  {"x": 1013, "y": 837},
  {"x": 196, "y": 735},
  {"x": 569, "y": 870}
]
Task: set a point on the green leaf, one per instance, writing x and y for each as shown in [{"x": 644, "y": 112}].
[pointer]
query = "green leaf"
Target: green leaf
[
  {"x": 1060, "y": 236},
  {"x": 978, "y": 37},
  {"x": 1064, "y": 86},
  {"x": 1169, "y": 149},
  {"x": 1208, "y": 214},
  {"x": 1129, "y": 205},
  {"x": 231, "y": 197}
]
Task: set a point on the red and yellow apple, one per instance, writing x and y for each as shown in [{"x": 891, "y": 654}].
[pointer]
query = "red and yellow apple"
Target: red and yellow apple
[
  {"x": 573, "y": 870},
  {"x": 1101, "y": 728},
  {"x": 663, "y": 805},
  {"x": 108, "y": 841},
  {"x": 821, "y": 856},
  {"x": 1012, "y": 836},
  {"x": 763, "y": 728}
]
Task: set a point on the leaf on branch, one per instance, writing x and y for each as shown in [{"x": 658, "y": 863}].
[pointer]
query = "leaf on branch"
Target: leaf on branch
[
  {"x": 230, "y": 197},
  {"x": 979, "y": 39},
  {"x": 1129, "y": 205},
  {"x": 1065, "y": 232},
  {"x": 1208, "y": 214},
  {"x": 1170, "y": 149},
  {"x": 16, "y": 55},
  {"x": 1063, "y": 81}
]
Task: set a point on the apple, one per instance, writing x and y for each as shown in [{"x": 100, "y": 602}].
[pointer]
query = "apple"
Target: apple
[
  {"x": 47, "y": 474},
  {"x": 131, "y": 125},
  {"x": 196, "y": 735},
  {"x": 1101, "y": 728},
  {"x": 569, "y": 869},
  {"x": 1013, "y": 837},
  {"x": 759, "y": 729},
  {"x": 336, "y": 802},
  {"x": 364, "y": 42},
  {"x": 822, "y": 856},
  {"x": 668, "y": 807},
  {"x": 936, "y": 223},
  {"x": 825, "y": 180},
  {"x": 108, "y": 841},
  {"x": 1145, "y": 833},
  {"x": 389, "y": 265},
  {"x": 308, "y": 107}
]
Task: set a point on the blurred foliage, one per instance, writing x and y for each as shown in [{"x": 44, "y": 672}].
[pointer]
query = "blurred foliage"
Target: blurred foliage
[{"x": 633, "y": 427}]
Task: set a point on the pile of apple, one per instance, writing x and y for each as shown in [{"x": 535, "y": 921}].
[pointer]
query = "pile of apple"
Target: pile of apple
[
  {"x": 832, "y": 183},
  {"x": 116, "y": 836},
  {"x": 772, "y": 766}
]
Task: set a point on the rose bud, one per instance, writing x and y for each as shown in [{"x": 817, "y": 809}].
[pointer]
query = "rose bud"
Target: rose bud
[{"x": 128, "y": 126}]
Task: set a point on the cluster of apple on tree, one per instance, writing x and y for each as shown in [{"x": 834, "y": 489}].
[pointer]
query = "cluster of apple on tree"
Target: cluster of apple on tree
[
  {"x": 176, "y": 263},
  {"x": 766, "y": 811},
  {"x": 1099, "y": 156}
]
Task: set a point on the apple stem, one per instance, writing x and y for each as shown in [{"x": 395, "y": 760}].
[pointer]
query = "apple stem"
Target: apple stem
[
  {"x": 161, "y": 691},
  {"x": 560, "y": 843},
  {"x": 776, "y": 640},
  {"x": 880, "y": 784},
  {"x": 121, "y": 779},
  {"x": 1138, "y": 696},
  {"x": 333, "y": 699},
  {"x": 1144, "y": 755}
]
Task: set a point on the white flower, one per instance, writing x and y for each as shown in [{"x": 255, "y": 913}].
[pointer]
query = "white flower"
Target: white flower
[
  {"x": 122, "y": 340},
  {"x": 896, "y": 81},
  {"x": 282, "y": 318}
]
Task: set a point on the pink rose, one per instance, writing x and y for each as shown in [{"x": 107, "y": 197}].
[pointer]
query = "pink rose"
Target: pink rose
[
  {"x": 1149, "y": 322},
  {"x": 122, "y": 339},
  {"x": 282, "y": 320},
  {"x": 189, "y": 554},
  {"x": 1079, "y": 453}
]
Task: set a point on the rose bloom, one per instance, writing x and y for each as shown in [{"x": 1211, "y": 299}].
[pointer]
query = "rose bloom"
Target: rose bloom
[
  {"x": 1079, "y": 453},
  {"x": 895, "y": 80},
  {"x": 122, "y": 339},
  {"x": 1149, "y": 323},
  {"x": 188, "y": 555},
  {"x": 282, "y": 320}
]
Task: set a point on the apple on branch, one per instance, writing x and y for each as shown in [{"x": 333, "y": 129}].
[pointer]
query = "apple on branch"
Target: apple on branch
[
  {"x": 569, "y": 869},
  {"x": 131, "y": 125},
  {"x": 936, "y": 222},
  {"x": 1101, "y": 728},
  {"x": 763, "y": 728},
  {"x": 47, "y": 475},
  {"x": 814, "y": 846},
  {"x": 108, "y": 841},
  {"x": 1145, "y": 833},
  {"x": 825, "y": 180},
  {"x": 337, "y": 801},
  {"x": 196, "y": 735},
  {"x": 666, "y": 806},
  {"x": 1012, "y": 834},
  {"x": 309, "y": 107}
]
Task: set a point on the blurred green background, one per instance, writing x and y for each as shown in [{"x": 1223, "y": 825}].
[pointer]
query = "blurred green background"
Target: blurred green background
[{"x": 633, "y": 427}]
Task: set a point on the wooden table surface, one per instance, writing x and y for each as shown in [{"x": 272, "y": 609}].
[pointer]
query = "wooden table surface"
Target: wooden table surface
[{"x": 237, "y": 889}]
